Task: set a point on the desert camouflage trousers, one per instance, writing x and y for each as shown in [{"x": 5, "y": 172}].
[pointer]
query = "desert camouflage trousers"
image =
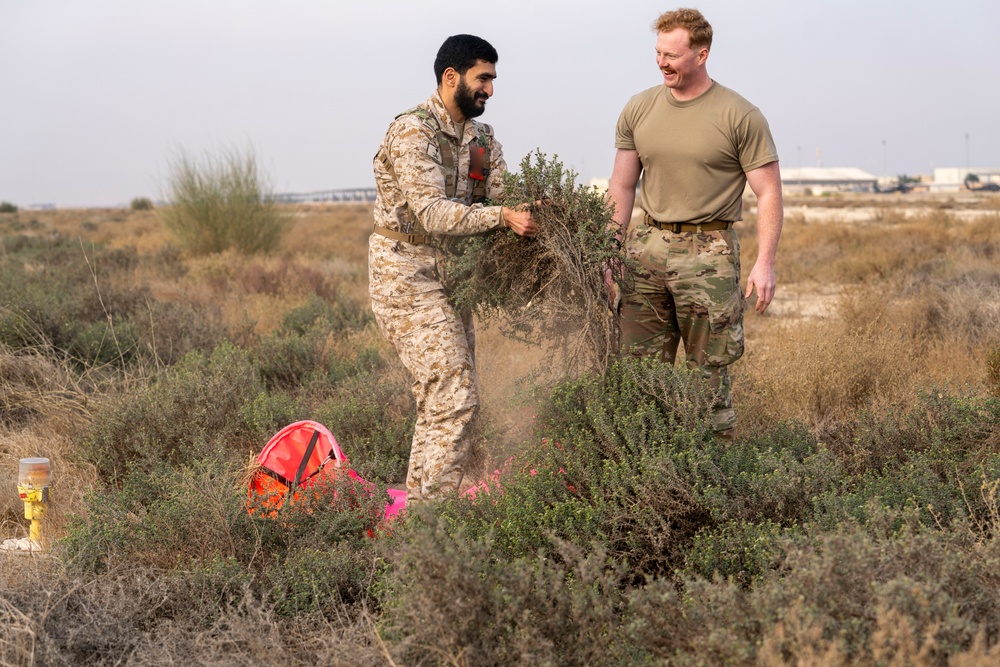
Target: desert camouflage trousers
[
  {"x": 687, "y": 289},
  {"x": 437, "y": 345}
]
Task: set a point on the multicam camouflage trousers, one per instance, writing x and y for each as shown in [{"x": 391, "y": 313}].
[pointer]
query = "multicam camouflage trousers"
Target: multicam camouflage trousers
[
  {"x": 437, "y": 345},
  {"x": 688, "y": 289}
]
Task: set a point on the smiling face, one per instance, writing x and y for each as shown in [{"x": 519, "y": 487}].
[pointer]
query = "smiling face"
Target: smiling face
[
  {"x": 465, "y": 95},
  {"x": 682, "y": 66},
  {"x": 474, "y": 88}
]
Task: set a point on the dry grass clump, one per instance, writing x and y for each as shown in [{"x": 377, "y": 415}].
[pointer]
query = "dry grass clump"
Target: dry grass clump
[
  {"x": 920, "y": 307},
  {"x": 928, "y": 245},
  {"x": 852, "y": 597},
  {"x": 42, "y": 404},
  {"x": 550, "y": 288},
  {"x": 138, "y": 615},
  {"x": 875, "y": 352}
]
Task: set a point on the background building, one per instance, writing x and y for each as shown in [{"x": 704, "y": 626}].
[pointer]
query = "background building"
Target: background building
[
  {"x": 819, "y": 180},
  {"x": 953, "y": 178}
]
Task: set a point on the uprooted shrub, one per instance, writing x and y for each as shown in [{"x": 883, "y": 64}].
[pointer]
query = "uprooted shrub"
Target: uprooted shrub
[{"x": 549, "y": 287}]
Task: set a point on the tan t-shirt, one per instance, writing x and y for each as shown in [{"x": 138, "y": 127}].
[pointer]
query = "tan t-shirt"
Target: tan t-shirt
[{"x": 694, "y": 154}]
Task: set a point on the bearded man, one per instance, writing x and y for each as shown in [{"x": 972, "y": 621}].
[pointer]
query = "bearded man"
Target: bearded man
[{"x": 434, "y": 171}]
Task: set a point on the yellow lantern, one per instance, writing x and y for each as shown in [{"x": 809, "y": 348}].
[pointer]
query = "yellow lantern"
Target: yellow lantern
[{"x": 34, "y": 479}]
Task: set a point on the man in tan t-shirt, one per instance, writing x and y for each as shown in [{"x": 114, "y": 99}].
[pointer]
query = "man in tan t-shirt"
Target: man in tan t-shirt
[{"x": 696, "y": 144}]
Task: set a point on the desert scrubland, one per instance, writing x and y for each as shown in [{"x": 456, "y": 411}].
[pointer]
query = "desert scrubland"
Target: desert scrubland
[{"x": 855, "y": 520}]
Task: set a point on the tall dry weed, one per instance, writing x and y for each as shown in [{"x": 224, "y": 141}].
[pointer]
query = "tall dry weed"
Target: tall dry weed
[
  {"x": 223, "y": 201},
  {"x": 824, "y": 373}
]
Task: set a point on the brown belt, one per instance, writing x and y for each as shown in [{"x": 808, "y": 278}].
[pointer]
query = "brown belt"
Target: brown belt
[
  {"x": 400, "y": 236},
  {"x": 678, "y": 227}
]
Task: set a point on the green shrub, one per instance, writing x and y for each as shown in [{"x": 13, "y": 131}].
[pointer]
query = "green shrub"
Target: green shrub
[
  {"x": 613, "y": 464},
  {"x": 221, "y": 202},
  {"x": 366, "y": 360},
  {"x": 7, "y": 207},
  {"x": 109, "y": 342},
  {"x": 141, "y": 204},
  {"x": 320, "y": 579},
  {"x": 773, "y": 477},
  {"x": 341, "y": 315},
  {"x": 201, "y": 402},
  {"x": 297, "y": 357},
  {"x": 737, "y": 551},
  {"x": 288, "y": 361},
  {"x": 85, "y": 305},
  {"x": 450, "y": 602},
  {"x": 931, "y": 458},
  {"x": 372, "y": 418}
]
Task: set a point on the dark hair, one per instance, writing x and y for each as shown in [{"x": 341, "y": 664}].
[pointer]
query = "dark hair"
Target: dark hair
[{"x": 462, "y": 52}]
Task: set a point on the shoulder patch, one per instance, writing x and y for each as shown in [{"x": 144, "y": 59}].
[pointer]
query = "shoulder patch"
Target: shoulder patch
[{"x": 434, "y": 151}]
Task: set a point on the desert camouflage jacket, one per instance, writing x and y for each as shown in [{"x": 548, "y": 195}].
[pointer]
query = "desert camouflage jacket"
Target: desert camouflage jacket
[{"x": 412, "y": 184}]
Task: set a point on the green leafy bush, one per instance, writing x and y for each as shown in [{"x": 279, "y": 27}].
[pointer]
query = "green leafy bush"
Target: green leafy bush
[
  {"x": 372, "y": 416},
  {"x": 451, "y": 602},
  {"x": 221, "y": 202},
  {"x": 7, "y": 207},
  {"x": 198, "y": 403},
  {"x": 84, "y": 305},
  {"x": 614, "y": 464}
]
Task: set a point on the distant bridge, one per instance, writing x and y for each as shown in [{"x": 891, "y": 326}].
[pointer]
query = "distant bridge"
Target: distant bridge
[{"x": 345, "y": 195}]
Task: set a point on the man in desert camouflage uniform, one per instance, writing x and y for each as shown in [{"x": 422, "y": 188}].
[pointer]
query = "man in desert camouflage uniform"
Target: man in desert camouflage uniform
[
  {"x": 434, "y": 170},
  {"x": 697, "y": 144}
]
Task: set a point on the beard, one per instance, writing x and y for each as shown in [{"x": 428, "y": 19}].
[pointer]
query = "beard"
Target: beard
[{"x": 471, "y": 105}]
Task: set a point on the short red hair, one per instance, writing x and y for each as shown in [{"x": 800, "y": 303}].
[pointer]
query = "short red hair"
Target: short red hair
[{"x": 691, "y": 20}]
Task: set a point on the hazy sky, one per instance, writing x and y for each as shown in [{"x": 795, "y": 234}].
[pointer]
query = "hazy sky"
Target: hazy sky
[{"x": 97, "y": 95}]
